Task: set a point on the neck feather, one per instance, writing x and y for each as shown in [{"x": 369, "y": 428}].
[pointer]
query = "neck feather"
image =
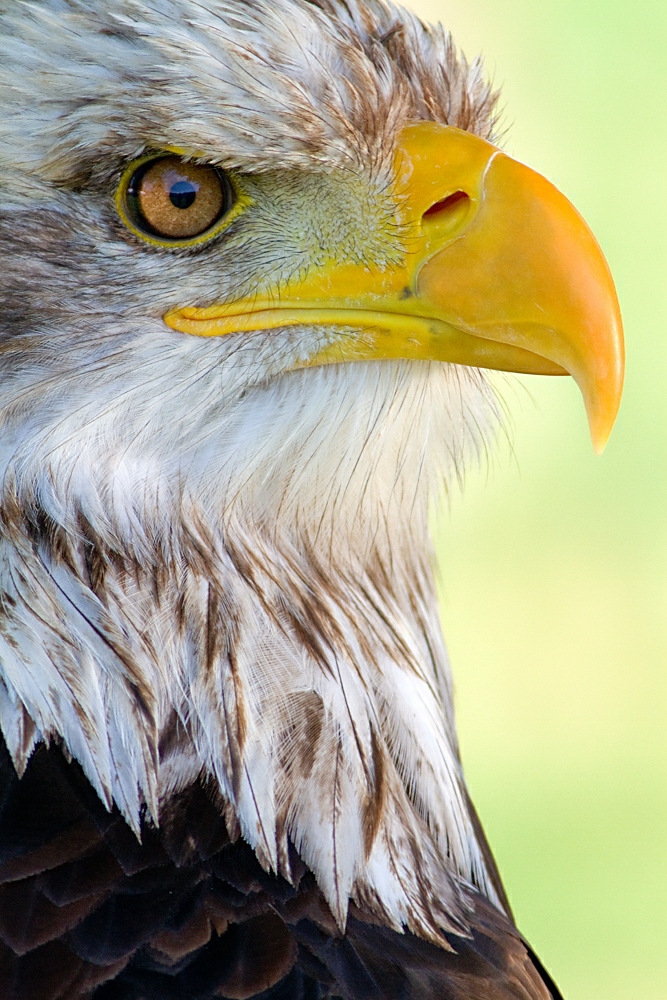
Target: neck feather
[{"x": 252, "y": 603}]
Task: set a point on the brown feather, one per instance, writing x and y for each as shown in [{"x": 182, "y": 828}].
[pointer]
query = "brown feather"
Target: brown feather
[{"x": 211, "y": 922}]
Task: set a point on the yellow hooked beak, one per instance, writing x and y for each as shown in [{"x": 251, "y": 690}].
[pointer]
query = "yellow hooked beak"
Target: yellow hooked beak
[{"x": 500, "y": 272}]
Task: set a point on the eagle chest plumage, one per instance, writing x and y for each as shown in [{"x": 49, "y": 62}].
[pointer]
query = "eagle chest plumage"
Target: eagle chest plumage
[{"x": 255, "y": 259}]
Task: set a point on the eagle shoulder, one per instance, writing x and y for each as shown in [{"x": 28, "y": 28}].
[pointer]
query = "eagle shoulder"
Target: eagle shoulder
[{"x": 187, "y": 912}]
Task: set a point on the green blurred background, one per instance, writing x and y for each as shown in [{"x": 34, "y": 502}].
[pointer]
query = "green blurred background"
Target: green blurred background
[{"x": 554, "y": 562}]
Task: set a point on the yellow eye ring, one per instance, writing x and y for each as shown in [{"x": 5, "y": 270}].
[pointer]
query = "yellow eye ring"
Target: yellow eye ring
[{"x": 170, "y": 201}]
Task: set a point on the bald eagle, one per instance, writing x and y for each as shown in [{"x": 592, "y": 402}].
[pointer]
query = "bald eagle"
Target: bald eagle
[{"x": 256, "y": 257}]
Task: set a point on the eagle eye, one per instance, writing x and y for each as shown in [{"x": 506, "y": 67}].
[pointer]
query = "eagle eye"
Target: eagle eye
[{"x": 172, "y": 200}]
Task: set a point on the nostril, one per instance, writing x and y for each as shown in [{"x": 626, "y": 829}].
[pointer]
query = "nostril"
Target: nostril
[{"x": 446, "y": 204}]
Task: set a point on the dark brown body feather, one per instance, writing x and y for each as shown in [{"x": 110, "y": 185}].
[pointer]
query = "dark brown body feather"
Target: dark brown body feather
[{"x": 88, "y": 912}]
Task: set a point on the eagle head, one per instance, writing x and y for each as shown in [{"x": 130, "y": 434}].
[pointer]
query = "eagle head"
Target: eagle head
[{"x": 255, "y": 261}]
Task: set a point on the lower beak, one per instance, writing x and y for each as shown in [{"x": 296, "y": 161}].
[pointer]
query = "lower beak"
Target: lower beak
[{"x": 501, "y": 272}]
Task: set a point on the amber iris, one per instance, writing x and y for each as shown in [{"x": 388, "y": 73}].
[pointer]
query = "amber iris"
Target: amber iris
[{"x": 173, "y": 199}]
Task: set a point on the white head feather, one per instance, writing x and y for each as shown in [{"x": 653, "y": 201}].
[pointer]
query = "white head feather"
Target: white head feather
[{"x": 214, "y": 565}]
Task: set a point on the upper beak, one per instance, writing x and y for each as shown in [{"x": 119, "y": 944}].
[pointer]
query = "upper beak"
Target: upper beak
[{"x": 500, "y": 272}]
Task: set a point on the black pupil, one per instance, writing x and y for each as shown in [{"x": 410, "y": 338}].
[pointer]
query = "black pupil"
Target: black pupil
[{"x": 183, "y": 193}]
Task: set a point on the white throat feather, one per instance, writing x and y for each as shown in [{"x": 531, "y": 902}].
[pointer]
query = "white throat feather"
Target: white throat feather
[{"x": 237, "y": 584}]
